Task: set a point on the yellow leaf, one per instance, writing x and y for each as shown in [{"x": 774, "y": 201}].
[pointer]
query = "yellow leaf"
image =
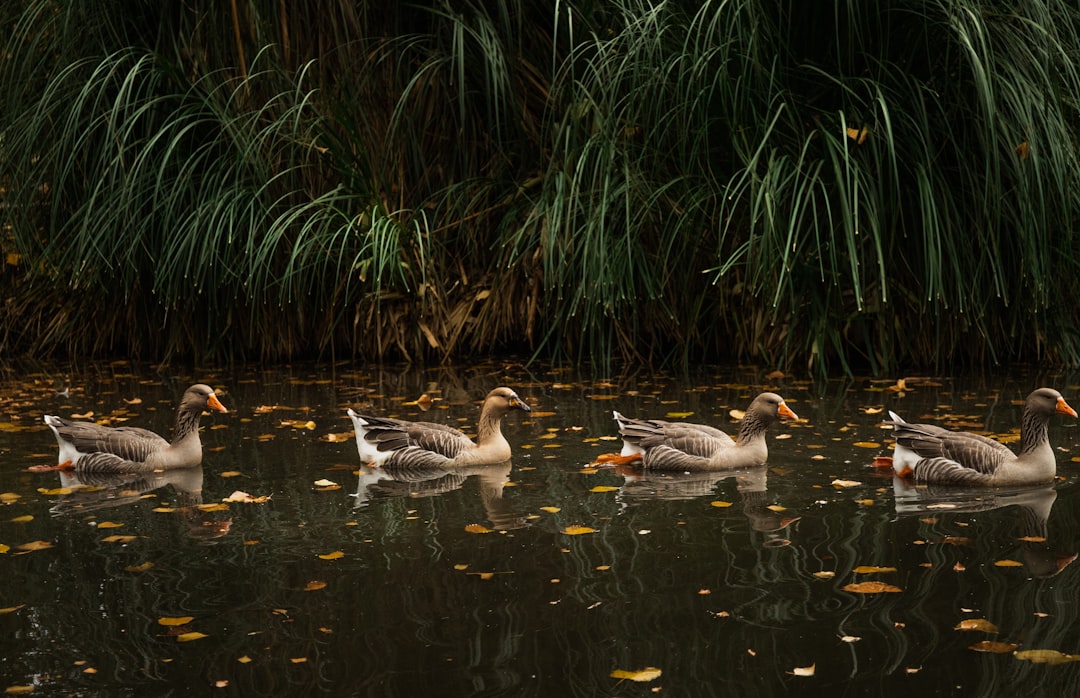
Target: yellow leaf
[
  {"x": 866, "y": 444},
  {"x": 578, "y": 530},
  {"x": 188, "y": 637},
  {"x": 871, "y": 588},
  {"x": 720, "y": 504},
  {"x": 11, "y": 609},
  {"x": 737, "y": 415},
  {"x": 679, "y": 415},
  {"x": 477, "y": 528},
  {"x": 604, "y": 488},
  {"x": 325, "y": 483},
  {"x": 869, "y": 569},
  {"x": 244, "y": 659},
  {"x": 18, "y": 690},
  {"x": 825, "y": 574},
  {"x": 35, "y": 545},
  {"x": 298, "y": 660},
  {"x": 109, "y": 524},
  {"x": 857, "y": 135},
  {"x": 603, "y": 397},
  {"x": 213, "y": 507},
  {"x": 8, "y": 497},
  {"x": 172, "y": 621},
  {"x": 776, "y": 507},
  {"x": 980, "y": 624},
  {"x": 230, "y": 473},
  {"x": 139, "y": 568},
  {"x": 804, "y": 670},
  {"x": 314, "y": 585},
  {"x": 1008, "y": 563},
  {"x": 337, "y": 554},
  {"x": 1046, "y": 656},
  {"x": 993, "y": 647},
  {"x": 22, "y": 519},
  {"x": 461, "y": 567},
  {"x": 873, "y": 410},
  {"x": 641, "y": 675},
  {"x": 163, "y": 510},
  {"x": 551, "y": 510},
  {"x": 845, "y": 483}
]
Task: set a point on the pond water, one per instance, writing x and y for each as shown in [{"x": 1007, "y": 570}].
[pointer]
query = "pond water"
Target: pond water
[{"x": 349, "y": 582}]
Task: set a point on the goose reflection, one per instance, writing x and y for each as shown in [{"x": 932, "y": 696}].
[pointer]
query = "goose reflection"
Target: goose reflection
[
  {"x": 384, "y": 482},
  {"x": 1039, "y": 558},
  {"x": 751, "y": 484},
  {"x": 93, "y": 492}
]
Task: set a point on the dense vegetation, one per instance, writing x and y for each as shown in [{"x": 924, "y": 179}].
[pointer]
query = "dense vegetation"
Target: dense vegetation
[{"x": 797, "y": 184}]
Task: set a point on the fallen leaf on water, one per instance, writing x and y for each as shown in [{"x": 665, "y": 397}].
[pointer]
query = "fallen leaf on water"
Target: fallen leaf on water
[
  {"x": 173, "y": 621},
  {"x": 35, "y": 545},
  {"x": 230, "y": 473},
  {"x": 604, "y": 488},
  {"x": 1008, "y": 563},
  {"x": 551, "y": 510},
  {"x": 337, "y": 554},
  {"x": 641, "y": 675},
  {"x": 298, "y": 424},
  {"x": 22, "y": 519},
  {"x": 737, "y": 415},
  {"x": 314, "y": 585},
  {"x": 958, "y": 567},
  {"x": 776, "y": 507},
  {"x": 578, "y": 530},
  {"x": 1032, "y": 539},
  {"x": 109, "y": 524},
  {"x": 849, "y": 638},
  {"x": 870, "y": 569},
  {"x": 871, "y": 588},
  {"x": 804, "y": 670},
  {"x": 241, "y": 496},
  {"x": 477, "y": 528},
  {"x": 139, "y": 568},
  {"x": 720, "y": 504},
  {"x": 8, "y": 497},
  {"x": 297, "y": 660},
  {"x": 482, "y": 575},
  {"x": 873, "y": 410},
  {"x": 18, "y": 690},
  {"x": 866, "y": 444},
  {"x": 825, "y": 574},
  {"x": 1046, "y": 656},
  {"x": 980, "y": 624},
  {"x": 11, "y": 609},
  {"x": 325, "y": 483},
  {"x": 993, "y": 647},
  {"x": 845, "y": 483},
  {"x": 244, "y": 659},
  {"x": 679, "y": 415}
]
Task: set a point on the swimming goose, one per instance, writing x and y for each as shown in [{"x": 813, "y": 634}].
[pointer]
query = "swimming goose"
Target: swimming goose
[
  {"x": 695, "y": 447},
  {"x": 400, "y": 443},
  {"x": 92, "y": 448},
  {"x": 932, "y": 455}
]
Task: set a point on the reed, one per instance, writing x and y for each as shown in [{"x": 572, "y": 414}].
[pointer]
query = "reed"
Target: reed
[{"x": 659, "y": 182}]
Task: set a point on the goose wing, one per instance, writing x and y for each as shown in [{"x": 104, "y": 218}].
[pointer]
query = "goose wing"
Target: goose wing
[
  {"x": 129, "y": 443},
  {"x": 693, "y": 439},
  {"x": 397, "y": 434},
  {"x": 969, "y": 450}
]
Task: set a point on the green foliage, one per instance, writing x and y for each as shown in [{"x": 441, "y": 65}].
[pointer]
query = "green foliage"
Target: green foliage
[{"x": 735, "y": 180}]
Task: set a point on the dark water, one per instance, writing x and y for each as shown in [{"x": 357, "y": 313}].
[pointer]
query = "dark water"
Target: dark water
[{"x": 466, "y": 583}]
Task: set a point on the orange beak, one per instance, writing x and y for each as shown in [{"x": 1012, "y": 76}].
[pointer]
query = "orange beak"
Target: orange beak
[
  {"x": 785, "y": 411},
  {"x": 213, "y": 403},
  {"x": 1063, "y": 407}
]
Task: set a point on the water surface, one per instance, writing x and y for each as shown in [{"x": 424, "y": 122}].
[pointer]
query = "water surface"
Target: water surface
[{"x": 349, "y": 581}]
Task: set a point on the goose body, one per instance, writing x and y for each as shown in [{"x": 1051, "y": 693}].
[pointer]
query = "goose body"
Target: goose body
[
  {"x": 930, "y": 454},
  {"x": 691, "y": 447},
  {"x": 404, "y": 444},
  {"x": 93, "y": 448}
]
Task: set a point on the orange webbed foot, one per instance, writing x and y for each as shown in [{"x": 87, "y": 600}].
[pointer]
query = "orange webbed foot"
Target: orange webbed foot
[
  {"x": 66, "y": 465},
  {"x": 615, "y": 459}
]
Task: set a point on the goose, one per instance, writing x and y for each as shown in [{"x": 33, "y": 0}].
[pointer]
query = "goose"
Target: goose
[
  {"x": 929, "y": 454},
  {"x": 382, "y": 441},
  {"x": 696, "y": 447},
  {"x": 92, "y": 448}
]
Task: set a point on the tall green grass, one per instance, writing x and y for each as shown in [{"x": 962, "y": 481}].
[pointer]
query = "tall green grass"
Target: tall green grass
[{"x": 803, "y": 185}]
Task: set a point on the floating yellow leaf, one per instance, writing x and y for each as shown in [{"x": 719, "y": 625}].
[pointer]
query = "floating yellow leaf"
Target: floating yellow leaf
[
  {"x": 776, "y": 507},
  {"x": 325, "y": 483},
  {"x": 1008, "y": 563},
  {"x": 804, "y": 670},
  {"x": 298, "y": 424},
  {"x": 109, "y": 524},
  {"x": 22, "y": 519},
  {"x": 551, "y": 510},
  {"x": 482, "y": 575},
  {"x": 1046, "y": 656},
  {"x": 679, "y": 415},
  {"x": 230, "y": 473},
  {"x": 244, "y": 659},
  {"x": 641, "y": 675},
  {"x": 578, "y": 530},
  {"x": 873, "y": 410},
  {"x": 35, "y": 545},
  {"x": 213, "y": 507},
  {"x": 477, "y": 528},
  {"x": 720, "y": 504},
  {"x": 1032, "y": 539},
  {"x": 980, "y": 624},
  {"x": 163, "y": 510},
  {"x": 849, "y": 638},
  {"x": 604, "y": 488},
  {"x": 825, "y": 574},
  {"x": 866, "y": 444},
  {"x": 55, "y": 492},
  {"x": 173, "y": 621},
  {"x": 857, "y": 134},
  {"x": 870, "y": 569},
  {"x": 603, "y": 397},
  {"x": 244, "y": 497},
  {"x": 737, "y": 415},
  {"x": 189, "y": 637},
  {"x": 298, "y": 660},
  {"x": 4, "y": 548},
  {"x": 839, "y": 484},
  {"x": 21, "y": 690},
  {"x": 11, "y": 609},
  {"x": 314, "y": 585},
  {"x": 139, "y": 568},
  {"x": 993, "y": 647},
  {"x": 871, "y": 588},
  {"x": 8, "y": 497},
  {"x": 460, "y": 567},
  {"x": 337, "y": 554}
]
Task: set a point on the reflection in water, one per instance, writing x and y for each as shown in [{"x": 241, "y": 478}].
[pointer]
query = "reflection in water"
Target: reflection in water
[
  {"x": 381, "y": 482},
  {"x": 93, "y": 492},
  {"x": 751, "y": 483},
  {"x": 1033, "y": 510}
]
